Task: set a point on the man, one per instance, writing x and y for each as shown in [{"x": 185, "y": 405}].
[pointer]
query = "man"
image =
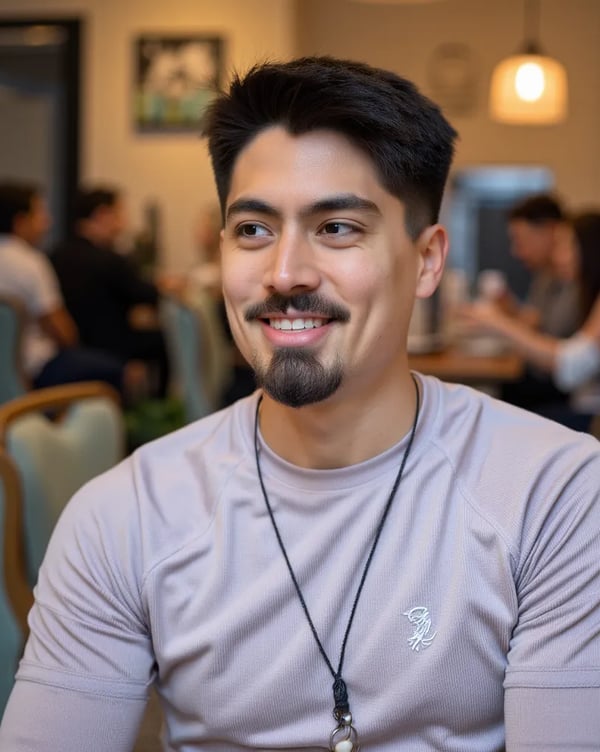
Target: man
[
  {"x": 51, "y": 351},
  {"x": 417, "y": 558},
  {"x": 552, "y": 303},
  {"x": 102, "y": 288},
  {"x": 552, "y": 306}
]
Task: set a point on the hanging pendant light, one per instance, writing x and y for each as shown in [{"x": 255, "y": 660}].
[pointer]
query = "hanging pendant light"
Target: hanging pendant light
[{"x": 529, "y": 88}]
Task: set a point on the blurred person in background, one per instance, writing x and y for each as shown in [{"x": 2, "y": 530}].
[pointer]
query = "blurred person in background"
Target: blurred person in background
[
  {"x": 551, "y": 305},
  {"x": 572, "y": 362},
  {"x": 104, "y": 291},
  {"x": 51, "y": 350}
]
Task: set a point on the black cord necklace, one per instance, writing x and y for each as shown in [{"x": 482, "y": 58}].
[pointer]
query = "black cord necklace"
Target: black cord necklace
[{"x": 343, "y": 738}]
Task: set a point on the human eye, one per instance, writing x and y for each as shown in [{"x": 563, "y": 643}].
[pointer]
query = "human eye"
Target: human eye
[
  {"x": 337, "y": 228},
  {"x": 250, "y": 234},
  {"x": 339, "y": 233},
  {"x": 251, "y": 230}
]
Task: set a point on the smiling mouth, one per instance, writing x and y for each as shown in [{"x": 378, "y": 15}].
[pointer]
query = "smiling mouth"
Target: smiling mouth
[{"x": 295, "y": 324}]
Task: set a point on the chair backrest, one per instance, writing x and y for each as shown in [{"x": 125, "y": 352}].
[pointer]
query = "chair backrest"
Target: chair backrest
[
  {"x": 15, "y": 595},
  {"x": 13, "y": 381},
  {"x": 59, "y": 438},
  {"x": 199, "y": 353}
]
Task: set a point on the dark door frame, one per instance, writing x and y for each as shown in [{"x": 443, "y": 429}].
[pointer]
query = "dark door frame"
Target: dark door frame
[{"x": 70, "y": 65}]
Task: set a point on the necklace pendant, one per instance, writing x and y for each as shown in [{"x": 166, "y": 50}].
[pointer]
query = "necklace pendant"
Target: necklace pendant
[{"x": 344, "y": 738}]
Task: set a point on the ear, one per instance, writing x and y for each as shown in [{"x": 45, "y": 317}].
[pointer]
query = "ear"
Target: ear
[{"x": 432, "y": 247}]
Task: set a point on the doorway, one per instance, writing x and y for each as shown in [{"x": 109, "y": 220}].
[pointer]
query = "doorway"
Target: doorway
[{"x": 39, "y": 110}]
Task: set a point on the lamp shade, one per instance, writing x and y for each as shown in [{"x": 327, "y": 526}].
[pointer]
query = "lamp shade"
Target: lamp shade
[{"x": 528, "y": 89}]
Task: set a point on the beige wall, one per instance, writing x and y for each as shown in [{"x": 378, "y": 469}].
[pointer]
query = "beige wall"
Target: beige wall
[
  {"x": 172, "y": 169},
  {"x": 403, "y": 38}
]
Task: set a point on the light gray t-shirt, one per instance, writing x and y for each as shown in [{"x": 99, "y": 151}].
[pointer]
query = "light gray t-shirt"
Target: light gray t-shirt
[{"x": 481, "y": 610}]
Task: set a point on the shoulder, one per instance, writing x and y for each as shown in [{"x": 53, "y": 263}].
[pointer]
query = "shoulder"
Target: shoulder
[
  {"x": 28, "y": 273},
  {"x": 475, "y": 429},
  {"x": 166, "y": 494},
  {"x": 512, "y": 467},
  {"x": 17, "y": 254}
]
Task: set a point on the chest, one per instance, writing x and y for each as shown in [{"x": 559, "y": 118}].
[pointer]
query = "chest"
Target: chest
[{"x": 426, "y": 649}]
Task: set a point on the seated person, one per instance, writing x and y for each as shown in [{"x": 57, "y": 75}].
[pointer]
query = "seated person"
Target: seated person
[
  {"x": 102, "y": 287},
  {"x": 51, "y": 353},
  {"x": 571, "y": 361},
  {"x": 552, "y": 301},
  {"x": 224, "y": 564},
  {"x": 551, "y": 305}
]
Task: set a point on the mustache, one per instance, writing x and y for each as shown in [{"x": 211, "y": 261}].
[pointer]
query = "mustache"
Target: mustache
[{"x": 313, "y": 302}]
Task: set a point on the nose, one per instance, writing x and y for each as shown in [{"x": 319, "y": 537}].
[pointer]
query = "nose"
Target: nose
[{"x": 292, "y": 265}]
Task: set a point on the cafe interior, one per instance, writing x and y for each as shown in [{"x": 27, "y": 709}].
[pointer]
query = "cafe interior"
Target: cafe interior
[{"x": 76, "y": 108}]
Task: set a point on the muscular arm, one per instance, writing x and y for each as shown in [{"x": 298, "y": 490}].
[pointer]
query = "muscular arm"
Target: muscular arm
[
  {"x": 40, "y": 718},
  {"x": 541, "y": 720},
  {"x": 552, "y": 682},
  {"x": 88, "y": 664}
]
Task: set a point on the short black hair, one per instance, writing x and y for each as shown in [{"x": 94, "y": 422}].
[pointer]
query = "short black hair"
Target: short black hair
[
  {"x": 403, "y": 133},
  {"x": 538, "y": 209},
  {"x": 16, "y": 197},
  {"x": 88, "y": 200}
]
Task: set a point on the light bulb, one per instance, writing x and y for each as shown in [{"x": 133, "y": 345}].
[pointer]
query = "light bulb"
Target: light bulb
[{"x": 530, "y": 82}]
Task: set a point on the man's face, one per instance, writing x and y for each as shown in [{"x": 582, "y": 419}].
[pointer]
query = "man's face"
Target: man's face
[
  {"x": 319, "y": 273},
  {"x": 532, "y": 243},
  {"x": 111, "y": 221}
]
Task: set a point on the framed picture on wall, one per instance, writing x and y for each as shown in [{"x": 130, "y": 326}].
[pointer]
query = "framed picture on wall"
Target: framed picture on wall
[{"x": 176, "y": 76}]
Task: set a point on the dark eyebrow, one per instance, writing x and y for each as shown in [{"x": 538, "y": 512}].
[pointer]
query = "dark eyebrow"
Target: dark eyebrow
[
  {"x": 252, "y": 205},
  {"x": 341, "y": 202}
]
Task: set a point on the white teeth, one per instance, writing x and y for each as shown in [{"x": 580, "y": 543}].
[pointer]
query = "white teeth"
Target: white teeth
[{"x": 295, "y": 324}]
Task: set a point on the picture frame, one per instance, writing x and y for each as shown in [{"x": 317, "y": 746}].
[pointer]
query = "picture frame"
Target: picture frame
[{"x": 175, "y": 78}]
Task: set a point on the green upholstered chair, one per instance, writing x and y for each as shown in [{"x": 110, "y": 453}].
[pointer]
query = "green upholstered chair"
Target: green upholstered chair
[
  {"x": 12, "y": 324},
  {"x": 199, "y": 353},
  {"x": 15, "y": 594},
  {"x": 59, "y": 438}
]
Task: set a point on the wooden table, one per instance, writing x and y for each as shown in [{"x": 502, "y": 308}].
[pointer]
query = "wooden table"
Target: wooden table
[{"x": 456, "y": 364}]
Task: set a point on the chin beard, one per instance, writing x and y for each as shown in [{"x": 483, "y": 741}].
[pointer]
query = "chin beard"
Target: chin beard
[{"x": 296, "y": 378}]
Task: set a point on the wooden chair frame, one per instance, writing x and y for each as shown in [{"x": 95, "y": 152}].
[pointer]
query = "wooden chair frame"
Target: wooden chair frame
[
  {"x": 17, "y": 588},
  {"x": 21, "y": 315},
  {"x": 52, "y": 398}
]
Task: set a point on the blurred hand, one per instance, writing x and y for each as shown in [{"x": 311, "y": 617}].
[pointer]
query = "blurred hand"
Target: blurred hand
[{"x": 483, "y": 316}]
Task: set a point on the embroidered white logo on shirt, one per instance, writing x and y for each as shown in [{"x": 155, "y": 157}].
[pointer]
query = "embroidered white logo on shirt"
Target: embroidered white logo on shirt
[{"x": 420, "y": 618}]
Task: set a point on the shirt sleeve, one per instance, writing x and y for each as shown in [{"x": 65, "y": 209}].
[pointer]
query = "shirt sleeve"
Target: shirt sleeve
[
  {"x": 552, "y": 682},
  {"x": 44, "y": 718},
  {"x": 44, "y": 295},
  {"x": 88, "y": 663},
  {"x": 577, "y": 361},
  {"x": 541, "y": 720}
]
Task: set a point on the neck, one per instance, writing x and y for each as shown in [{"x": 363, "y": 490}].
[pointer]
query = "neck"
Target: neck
[{"x": 343, "y": 430}]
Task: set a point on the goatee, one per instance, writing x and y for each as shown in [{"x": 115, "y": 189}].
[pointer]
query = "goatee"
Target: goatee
[{"x": 296, "y": 378}]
